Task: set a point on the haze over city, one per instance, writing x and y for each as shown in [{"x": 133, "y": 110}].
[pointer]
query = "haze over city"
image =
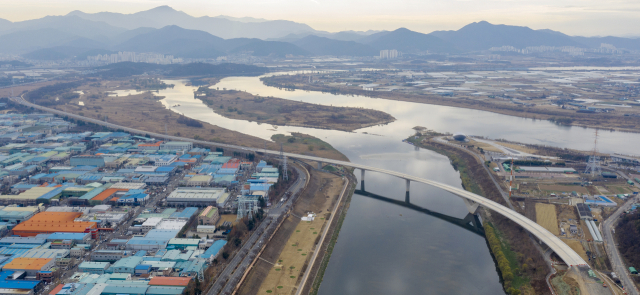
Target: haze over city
[{"x": 584, "y": 18}]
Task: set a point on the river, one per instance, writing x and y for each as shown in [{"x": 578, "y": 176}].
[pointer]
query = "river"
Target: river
[{"x": 383, "y": 248}]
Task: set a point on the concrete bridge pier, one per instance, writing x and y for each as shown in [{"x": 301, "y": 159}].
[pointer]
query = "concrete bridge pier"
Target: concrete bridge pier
[
  {"x": 362, "y": 179},
  {"x": 471, "y": 206},
  {"x": 406, "y": 197},
  {"x": 319, "y": 165}
]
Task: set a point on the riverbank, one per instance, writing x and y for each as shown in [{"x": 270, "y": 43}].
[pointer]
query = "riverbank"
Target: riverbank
[
  {"x": 566, "y": 117},
  {"x": 241, "y": 105},
  {"x": 145, "y": 111},
  {"x": 527, "y": 265}
]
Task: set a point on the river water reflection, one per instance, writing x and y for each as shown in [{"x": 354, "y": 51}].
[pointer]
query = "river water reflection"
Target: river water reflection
[{"x": 384, "y": 248}]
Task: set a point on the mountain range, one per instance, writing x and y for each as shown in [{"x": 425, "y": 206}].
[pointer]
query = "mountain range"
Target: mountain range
[{"x": 167, "y": 31}]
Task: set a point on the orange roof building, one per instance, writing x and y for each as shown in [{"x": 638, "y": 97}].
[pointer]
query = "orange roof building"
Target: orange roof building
[
  {"x": 30, "y": 265},
  {"x": 56, "y": 289},
  {"x": 150, "y": 146},
  {"x": 170, "y": 281},
  {"x": 107, "y": 193},
  {"x": 51, "y": 222}
]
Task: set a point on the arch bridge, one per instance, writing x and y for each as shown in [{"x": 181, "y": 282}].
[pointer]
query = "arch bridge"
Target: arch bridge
[{"x": 472, "y": 201}]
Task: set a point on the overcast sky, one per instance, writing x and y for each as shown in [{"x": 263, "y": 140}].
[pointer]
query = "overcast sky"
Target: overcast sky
[{"x": 574, "y": 17}]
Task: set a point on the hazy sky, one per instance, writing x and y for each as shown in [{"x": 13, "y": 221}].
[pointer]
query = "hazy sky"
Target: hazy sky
[{"x": 574, "y": 17}]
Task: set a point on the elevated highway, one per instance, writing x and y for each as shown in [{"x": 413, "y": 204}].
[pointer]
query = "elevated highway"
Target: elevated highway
[{"x": 570, "y": 257}]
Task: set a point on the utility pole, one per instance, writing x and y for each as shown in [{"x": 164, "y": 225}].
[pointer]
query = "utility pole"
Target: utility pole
[
  {"x": 284, "y": 164},
  {"x": 511, "y": 178}
]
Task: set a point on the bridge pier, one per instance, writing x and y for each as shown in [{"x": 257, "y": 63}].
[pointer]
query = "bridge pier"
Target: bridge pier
[
  {"x": 362, "y": 179},
  {"x": 319, "y": 165},
  {"x": 471, "y": 205},
  {"x": 406, "y": 196}
]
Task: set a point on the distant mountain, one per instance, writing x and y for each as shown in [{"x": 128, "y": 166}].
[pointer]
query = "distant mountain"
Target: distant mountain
[
  {"x": 269, "y": 48},
  {"x": 325, "y": 46},
  {"x": 175, "y": 41},
  {"x": 5, "y": 25},
  {"x": 67, "y": 24},
  {"x": 408, "y": 41},
  {"x": 26, "y": 41},
  {"x": 224, "y": 27},
  {"x": 483, "y": 35},
  {"x": 242, "y": 19},
  {"x": 185, "y": 43}
]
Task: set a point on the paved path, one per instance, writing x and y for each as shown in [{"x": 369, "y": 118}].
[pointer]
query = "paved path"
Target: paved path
[{"x": 568, "y": 255}]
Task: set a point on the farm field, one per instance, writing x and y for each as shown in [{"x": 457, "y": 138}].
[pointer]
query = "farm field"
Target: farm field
[{"x": 546, "y": 217}]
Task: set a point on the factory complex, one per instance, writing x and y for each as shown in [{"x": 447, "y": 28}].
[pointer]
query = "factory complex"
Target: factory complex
[{"x": 112, "y": 213}]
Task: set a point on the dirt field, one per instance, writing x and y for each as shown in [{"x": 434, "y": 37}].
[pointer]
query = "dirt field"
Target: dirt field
[
  {"x": 277, "y": 111},
  {"x": 546, "y": 217},
  {"x": 563, "y": 188},
  {"x": 227, "y": 217},
  {"x": 566, "y": 212},
  {"x": 577, "y": 246}
]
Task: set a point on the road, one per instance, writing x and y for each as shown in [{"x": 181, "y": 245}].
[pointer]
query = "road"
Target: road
[
  {"x": 568, "y": 255},
  {"x": 617, "y": 264}
]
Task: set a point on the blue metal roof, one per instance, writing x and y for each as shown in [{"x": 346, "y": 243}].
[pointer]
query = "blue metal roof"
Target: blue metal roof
[
  {"x": 214, "y": 249},
  {"x": 186, "y": 213},
  {"x": 15, "y": 284}
]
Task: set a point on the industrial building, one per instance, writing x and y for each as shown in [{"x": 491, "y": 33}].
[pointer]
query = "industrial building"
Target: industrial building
[
  {"x": 52, "y": 222},
  {"x": 209, "y": 216},
  {"x": 29, "y": 265},
  {"x": 109, "y": 255},
  {"x": 93, "y": 267},
  {"x": 198, "y": 197}
]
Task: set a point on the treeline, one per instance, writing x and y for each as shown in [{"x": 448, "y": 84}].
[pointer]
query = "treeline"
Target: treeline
[
  {"x": 503, "y": 263},
  {"x": 628, "y": 236},
  {"x": 536, "y": 163},
  {"x": 47, "y": 95},
  {"x": 189, "y": 122}
]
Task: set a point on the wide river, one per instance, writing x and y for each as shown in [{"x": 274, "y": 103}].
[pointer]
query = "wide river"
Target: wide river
[{"x": 384, "y": 248}]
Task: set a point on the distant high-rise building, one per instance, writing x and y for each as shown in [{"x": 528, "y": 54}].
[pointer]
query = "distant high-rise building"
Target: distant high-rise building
[{"x": 388, "y": 54}]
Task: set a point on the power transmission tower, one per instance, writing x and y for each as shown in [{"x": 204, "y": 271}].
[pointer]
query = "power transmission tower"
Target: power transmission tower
[
  {"x": 593, "y": 164},
  {"x": 284, "y": 164}
]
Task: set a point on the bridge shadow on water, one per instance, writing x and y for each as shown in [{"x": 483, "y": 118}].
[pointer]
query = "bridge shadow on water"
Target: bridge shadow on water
[{"x": 471, "y": 222}]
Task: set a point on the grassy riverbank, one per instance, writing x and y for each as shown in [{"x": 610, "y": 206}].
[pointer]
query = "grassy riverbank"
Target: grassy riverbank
[
  {"x": 525, "y": 263},
  {"x": 315, "y": 287},
  {"x": 559, "y": 116}
]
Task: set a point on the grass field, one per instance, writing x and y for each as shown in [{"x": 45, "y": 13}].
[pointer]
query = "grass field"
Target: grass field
[
  {"x": 577, "y": 246},
  {"x": 546, "y": 217},
  {"x": 283, "y": 276},
  {"x": 563, "y": 188}
]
